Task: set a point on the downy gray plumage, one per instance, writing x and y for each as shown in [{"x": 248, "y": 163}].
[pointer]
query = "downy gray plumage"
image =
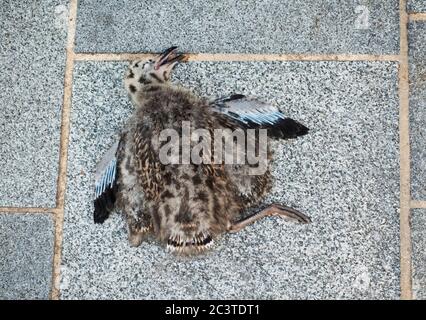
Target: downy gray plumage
[{"x": 186, "y": 206}]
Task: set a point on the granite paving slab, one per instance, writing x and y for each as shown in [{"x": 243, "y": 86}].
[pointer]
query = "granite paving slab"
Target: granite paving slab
[
  {"x": 32, "y": 59},
  {"x": 417, "y": 65},
  {"x": 344, "y": 175},
  {"x": 26, "y": 254},
  {"x": 249, "y": 26},
  {"x": 416, "y": 6},
  {"x": 418, "y": 225}
]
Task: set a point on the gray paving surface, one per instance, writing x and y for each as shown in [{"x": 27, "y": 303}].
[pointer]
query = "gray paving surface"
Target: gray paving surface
[
  {"x": 265, "y": 26},
  {"x": 418, "y": 225},
  {"x": 344, "y": 174},
  {"x": 32, "y": 59},
  {"x": 416, "y": 5},
  {"x": 417, "y": 54},
  {"x": 26, "y": 254}
]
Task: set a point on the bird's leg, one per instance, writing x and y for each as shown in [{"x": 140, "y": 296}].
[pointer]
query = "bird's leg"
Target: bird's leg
[{"x": 272, "y": 210}]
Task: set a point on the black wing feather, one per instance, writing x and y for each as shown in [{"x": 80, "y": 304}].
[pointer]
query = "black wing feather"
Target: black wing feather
[
  {"x": 106, "y": 185},
  {"x": 252, "y": 113}
]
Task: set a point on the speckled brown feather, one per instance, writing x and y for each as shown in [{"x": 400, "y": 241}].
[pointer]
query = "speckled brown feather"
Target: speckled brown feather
[
  {"x": 185, "y": 205},
  {"x": 184, "y": 201}
]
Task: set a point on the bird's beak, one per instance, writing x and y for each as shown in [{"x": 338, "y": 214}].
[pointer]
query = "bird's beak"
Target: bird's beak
[{"x": 168, "y": 59}]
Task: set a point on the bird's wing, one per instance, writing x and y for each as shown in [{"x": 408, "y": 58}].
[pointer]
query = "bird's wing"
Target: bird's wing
[
  {"x": 252, "y": 113},
  {"x": 106, "y": 184}
]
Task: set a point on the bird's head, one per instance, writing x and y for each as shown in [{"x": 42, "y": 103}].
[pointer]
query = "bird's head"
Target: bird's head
[{"x": 151, "y": 71}]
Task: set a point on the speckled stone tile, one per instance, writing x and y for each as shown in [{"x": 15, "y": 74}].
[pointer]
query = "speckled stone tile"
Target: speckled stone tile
[
  {"x": 26, "y": 255},
  {"x": 418, "y": 229},
  {"x": 253, "y": 26},
  {"x": 344, "y": 174},
  {"x": 417, "y": 59},
  {"x": 32, "y": 59},
  {"x": 416, "y": 6}
]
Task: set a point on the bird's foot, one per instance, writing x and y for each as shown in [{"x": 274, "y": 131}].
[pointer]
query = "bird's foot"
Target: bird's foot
[
  {"x": 273, "y": 210},
  {"x": 137, "y": 235},
  {"x": 289, "y": 213}
]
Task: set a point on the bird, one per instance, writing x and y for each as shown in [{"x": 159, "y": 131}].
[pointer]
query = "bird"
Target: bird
[{"x": 187, "y": 206}]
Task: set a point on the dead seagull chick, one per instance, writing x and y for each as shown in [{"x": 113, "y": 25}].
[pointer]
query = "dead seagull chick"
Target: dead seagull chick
[{"x": 187, "y": 204}]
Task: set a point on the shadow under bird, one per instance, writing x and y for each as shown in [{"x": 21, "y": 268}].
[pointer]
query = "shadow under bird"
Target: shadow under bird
[{"x": 186, "y": 206}]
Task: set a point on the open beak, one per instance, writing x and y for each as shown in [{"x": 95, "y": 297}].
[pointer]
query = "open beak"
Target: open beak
[{"x": 168, "y": 59}]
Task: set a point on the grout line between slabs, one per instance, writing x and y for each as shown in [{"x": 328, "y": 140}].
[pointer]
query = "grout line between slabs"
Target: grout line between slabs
[
  {"x": 239, "y": 57},
  {"x": 405, "y": 197},
  {"x": 417, "y": 16},
  {"x": 62, "y": 174},
  {"x": 417, "y": 204}
]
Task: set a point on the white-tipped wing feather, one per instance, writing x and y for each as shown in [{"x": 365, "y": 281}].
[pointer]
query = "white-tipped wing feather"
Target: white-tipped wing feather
[
  {"x": 106, "y": 170},
  {"x": 105, "y": 184},
  {"x": 248, "y": 110},
  {"x": 251, "y": 112}
]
